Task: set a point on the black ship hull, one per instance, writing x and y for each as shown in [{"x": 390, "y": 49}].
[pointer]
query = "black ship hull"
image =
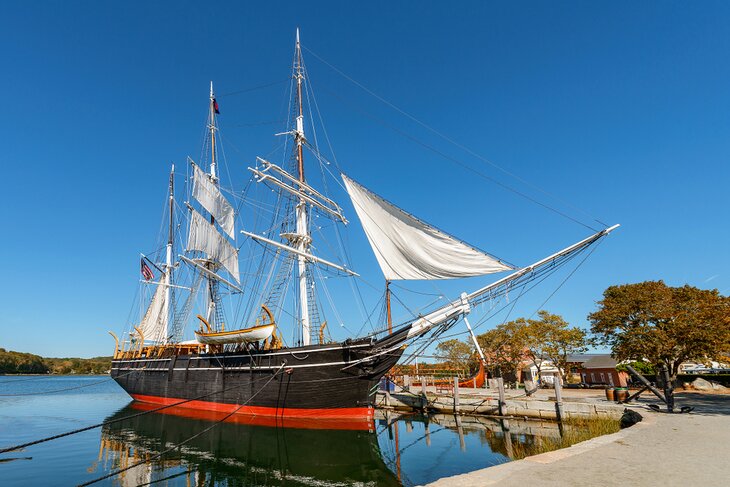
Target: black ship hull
[{"x": 336, "y": 381}]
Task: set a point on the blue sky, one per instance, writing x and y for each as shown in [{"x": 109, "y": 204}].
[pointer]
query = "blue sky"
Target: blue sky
[{"x": 619, "y": 111}]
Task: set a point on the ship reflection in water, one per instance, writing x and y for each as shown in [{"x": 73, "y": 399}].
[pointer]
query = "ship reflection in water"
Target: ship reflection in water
[{"x": 244, "y": 450}]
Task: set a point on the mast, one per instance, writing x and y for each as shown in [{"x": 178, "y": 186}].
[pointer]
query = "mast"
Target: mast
[
  {"x": 212, "y": 107},
  {"x": 387, "y": 307},
  {"x": 168, "y": 258},
  {"x": 212, "y": 128},
  {"x": 302, "y": 232}
]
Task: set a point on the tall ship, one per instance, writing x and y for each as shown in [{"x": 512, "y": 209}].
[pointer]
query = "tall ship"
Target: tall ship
[{"x": 232, "y": 302}]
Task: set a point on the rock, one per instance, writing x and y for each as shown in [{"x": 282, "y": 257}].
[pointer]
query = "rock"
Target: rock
[
  {"x": 702, "y": 385},
  {"x": 706, "y": 385},
  {"x": 630, "y": 418}
]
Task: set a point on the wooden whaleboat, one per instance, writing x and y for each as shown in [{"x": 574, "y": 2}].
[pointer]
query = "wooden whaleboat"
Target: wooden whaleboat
[{"x": 255, "y": 334}]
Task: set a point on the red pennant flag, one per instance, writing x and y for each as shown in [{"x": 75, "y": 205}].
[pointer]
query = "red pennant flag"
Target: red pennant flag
[{"x": 215, "y": 106}]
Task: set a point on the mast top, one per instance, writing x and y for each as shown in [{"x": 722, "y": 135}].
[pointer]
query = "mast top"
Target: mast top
[{"x": 213, "y": 108}]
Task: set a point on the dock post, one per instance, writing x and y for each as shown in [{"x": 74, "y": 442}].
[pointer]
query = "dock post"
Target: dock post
[
  {"x": 558, "y": 398},
  {"x": 456, "y": 394},
  {"x": 424, "y": 399},
  {"x": 668, "y": 389},
  {"x": 406, "y": 382},
  {"x": 500, "y": 388}
]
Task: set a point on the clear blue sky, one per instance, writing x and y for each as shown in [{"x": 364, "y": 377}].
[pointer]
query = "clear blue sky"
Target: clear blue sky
[{"x": 620, "y": 109}]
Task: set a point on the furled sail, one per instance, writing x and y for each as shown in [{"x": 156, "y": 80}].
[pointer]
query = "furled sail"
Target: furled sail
[
  {"x": 407, "y": 248},
  {"x": 204, "y": 237},
  {"x": 154, "y": 322},
  {"x": 212, "y": 200}
]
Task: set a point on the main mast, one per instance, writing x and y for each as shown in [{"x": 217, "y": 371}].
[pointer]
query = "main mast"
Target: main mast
[
  {"x": 168, "y": 257},
  {"x": 303, "y": 239},
  {"x": 212, "y": 128}
]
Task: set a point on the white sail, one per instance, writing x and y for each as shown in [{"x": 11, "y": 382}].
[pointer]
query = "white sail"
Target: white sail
[
  {"x": 204, "y": 237},
  {"x": 154, "y": 322},
  {"x": 212, "y": 200},
  {"x": 407, "y": 248}
]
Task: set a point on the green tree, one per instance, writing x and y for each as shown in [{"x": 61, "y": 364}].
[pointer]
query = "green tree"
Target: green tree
[
  {"x": 560, "y": 340},
  {"x": 504, "y": 347},
  {"x": 537, "y": 335},
  {"x": 455, "y": 353},
  {"x": 662, "y": 324}
]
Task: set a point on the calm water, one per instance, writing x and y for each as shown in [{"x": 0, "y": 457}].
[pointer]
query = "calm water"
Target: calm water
[{"x": 397, "y": 450}]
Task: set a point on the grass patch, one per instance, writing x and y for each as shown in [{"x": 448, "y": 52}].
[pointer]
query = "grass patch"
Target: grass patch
[{"x": 573, "y": 431}]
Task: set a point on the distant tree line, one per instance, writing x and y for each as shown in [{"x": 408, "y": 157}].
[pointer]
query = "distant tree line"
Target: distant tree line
[{"x": 27, "y": 363}]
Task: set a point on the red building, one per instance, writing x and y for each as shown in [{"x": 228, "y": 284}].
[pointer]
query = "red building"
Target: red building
[{"x": 601, "y": 370}]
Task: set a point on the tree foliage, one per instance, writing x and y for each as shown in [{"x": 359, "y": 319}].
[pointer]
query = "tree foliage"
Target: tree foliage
[
  {"x": 504, "y": 347},
  {"x": 454, "y": 352},
  {"x": 561, "y": 340},
  {"x": 548, "y": 337},
  {"x": 27, "y": 363},
  {"x": 662, "y": 324},
  {"x": 21, "y": 363}
]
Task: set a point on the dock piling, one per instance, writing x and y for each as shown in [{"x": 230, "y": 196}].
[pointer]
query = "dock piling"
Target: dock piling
[
  {"x": 456, "y": 394},
  {"x": 500, "y": 388},
  {"x": 558, "y": 398}
]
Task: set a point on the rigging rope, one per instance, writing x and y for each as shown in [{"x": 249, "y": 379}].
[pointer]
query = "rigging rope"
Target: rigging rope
[
  {"x": 98, "y": 425},
  {"x": 455, "y": 143},
  {"x": 462, "y": 164},
  {"x": 174, "y": 447},
  {"x": 44, "y": 376},
  {"x": 253, "y": 88},
  {"x": 61, "y": 390}
]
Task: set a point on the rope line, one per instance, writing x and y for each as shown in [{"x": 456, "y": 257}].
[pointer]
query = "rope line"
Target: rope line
[
  {"x": 98, "y": 425},
  {"x": 61, "y": 390},
  {"x": 254, "y": 88},
  {"x": 44, "y": 376},
  {"x": 174, "y": 447},
  {"x": 454, "y": 142}
]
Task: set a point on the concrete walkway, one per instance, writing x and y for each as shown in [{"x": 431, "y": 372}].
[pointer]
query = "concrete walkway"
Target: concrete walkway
[{"x": 663, "y": 450}]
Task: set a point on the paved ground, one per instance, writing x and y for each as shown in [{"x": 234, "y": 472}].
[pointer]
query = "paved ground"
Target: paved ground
[{"x": 663, "y": 450}]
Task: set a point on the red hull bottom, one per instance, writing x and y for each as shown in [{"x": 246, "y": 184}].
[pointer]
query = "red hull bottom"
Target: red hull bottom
[{"x": 338, "y": 418}]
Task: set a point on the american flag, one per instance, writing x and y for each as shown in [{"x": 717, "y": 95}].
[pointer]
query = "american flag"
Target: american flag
[{"x": 146, "y": 271}]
